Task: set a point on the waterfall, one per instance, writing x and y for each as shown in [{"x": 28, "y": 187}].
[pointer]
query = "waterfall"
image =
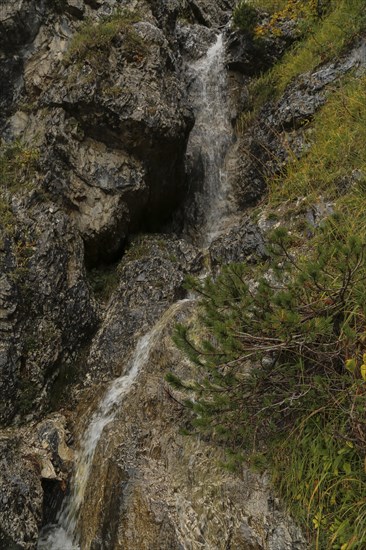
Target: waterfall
[
  {"x": 210, "y": 139},
  {"x": 63, "y": 535}
]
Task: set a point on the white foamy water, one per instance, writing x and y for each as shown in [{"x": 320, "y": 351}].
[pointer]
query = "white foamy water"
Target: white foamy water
[
  {"x": 211, "y": 136},
  {"x": 63, "y": 535}
]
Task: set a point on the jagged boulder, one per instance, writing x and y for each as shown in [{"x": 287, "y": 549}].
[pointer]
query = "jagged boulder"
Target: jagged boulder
[
  {"x": 211, "y": 14},
  {"x": 47, "y": 309},
  {"x": 30, "y": 459},
  {"x": 241, "y": 242},
  {"x": 20, "y": 21},
  {"x": 151, "y": 278}
]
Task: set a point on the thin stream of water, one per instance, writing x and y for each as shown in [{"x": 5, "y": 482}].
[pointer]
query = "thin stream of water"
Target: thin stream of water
[
  {"x": 63, "y": 535},
  {"x": 211, "y": 137}
]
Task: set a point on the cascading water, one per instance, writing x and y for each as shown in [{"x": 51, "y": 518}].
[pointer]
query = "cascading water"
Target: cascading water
[
  {"x": 63, "y": 535},
  {"x": 212, "y": 135},
  {"x": 210, "y": 138}
]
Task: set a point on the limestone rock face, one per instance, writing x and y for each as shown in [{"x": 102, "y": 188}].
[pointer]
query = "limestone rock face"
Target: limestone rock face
[
  {"x": 110, "y": 135},
  {"x": 45, "y": 302},
  {"x": 125, "y": 107},
  {"x": 114, "y": 128}
]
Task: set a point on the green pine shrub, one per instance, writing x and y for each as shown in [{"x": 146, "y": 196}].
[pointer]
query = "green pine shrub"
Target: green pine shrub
[
  {"x": 281, "y": 379},
  {"x": 245, "y": 17}
]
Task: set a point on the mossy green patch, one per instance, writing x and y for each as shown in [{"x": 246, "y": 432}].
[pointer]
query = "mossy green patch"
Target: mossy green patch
[
  {"x": 94, "y": 39},
  {"x": 104, "y": 281},
  {"x": 334, "y": 164},
  {"x": 18, "y": 168},
  {"x": 324, "y": 38}
]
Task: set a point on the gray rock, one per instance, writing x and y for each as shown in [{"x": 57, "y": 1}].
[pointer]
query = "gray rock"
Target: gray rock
[
  {"x": 20, "y": 21},
  {"x": 151, "y": 278},
  {"x": 113, "y": 134},
  {"x": 319, "y": 212},
  {"x": 30, "y": 458},
  {"x": 251, "y": 56},
  {"x": 45, "y": 302},
  {"x": 194, "y": 40},
  {"x": 211, "y": 14},
  {"x": 242, "y": 242},
  {"x": 20, "y": 497}
]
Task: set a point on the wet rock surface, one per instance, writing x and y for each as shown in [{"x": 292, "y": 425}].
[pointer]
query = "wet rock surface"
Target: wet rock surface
[
  {"x": 172, "y": 492},
  {"x": 29, "y": 457},
  {"x": 151, "y": 279}
]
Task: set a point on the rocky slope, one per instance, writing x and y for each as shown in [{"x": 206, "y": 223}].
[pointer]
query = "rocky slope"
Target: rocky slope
[
  {"x": 97, "y": 98},
  {"x": 160, "y": 489}
]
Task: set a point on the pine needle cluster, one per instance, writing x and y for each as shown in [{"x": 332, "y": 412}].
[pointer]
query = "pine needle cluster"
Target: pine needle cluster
[{"x": 281, "y": 364}]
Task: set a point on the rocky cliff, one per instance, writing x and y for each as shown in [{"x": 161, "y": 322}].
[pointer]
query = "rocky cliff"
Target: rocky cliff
[{"x": 102, "y": 207}]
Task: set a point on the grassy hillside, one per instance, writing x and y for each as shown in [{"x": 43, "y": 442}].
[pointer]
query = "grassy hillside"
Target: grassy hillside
[{"x": 281, "y": 347}]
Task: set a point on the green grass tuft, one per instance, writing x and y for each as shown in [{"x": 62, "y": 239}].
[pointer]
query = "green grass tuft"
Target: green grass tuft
[
  {"x": 17, "y": 166},
  {"x": 334, "y": 166},
  {"x": 325, "y": 39},
  {"x": 94, "y": 39}
]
